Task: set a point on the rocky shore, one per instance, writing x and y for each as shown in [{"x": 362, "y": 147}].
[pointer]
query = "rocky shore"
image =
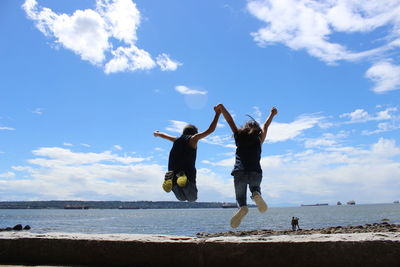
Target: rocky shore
[{"x": 367, "y": 228}]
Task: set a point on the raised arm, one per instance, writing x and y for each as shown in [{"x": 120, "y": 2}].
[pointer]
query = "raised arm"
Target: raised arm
[
  {"x": 195, "y": 138},
  {"x": 228, "y": 118},
  {"x": 164, "y": 135},
  {"x": 264, "y": 129}
]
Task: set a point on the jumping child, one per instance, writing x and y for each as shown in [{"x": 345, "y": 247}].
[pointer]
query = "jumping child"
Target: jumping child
[
  {"x": 247, "y": 169},
  {"x": 181, "y": 175}
]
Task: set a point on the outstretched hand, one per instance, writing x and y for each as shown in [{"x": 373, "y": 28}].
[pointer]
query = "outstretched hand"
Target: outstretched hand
[
  {"x": 156, "y": 133},
  {"x": 274, "y": 111}
]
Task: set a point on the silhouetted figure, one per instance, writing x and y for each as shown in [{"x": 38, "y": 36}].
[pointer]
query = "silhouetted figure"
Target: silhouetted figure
[{"x": 295, "y": 223}]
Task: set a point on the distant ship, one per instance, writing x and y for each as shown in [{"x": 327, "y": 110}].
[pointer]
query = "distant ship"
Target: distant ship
[
  {"x": 396, "y": 202},
  {"x": 351, "y": 202},
  {"x": 229, "y": 205},
  {"x": 75, "y": 207},
  {"x": 317, "y": 204},
  {"x": 339, "y": 203}
]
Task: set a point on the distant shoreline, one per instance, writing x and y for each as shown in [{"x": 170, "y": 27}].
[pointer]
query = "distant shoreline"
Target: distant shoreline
[{"x": 84, "y": 205}]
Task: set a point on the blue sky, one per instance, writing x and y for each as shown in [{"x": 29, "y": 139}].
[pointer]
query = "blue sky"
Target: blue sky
[{"x": 85, "y": 83}]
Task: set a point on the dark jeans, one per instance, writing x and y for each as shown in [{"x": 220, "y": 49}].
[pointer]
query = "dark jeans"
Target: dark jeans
[
  {"x": 241, "y": 180},
  {"x": 189, "y": 192}
]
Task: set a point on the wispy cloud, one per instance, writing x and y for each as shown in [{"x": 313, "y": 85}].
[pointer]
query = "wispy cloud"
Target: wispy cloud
[
  {"x": 361, "y": 115},
  {"x": 382, "y": 127},
  {"x": 166, "y": 63},
  {"x": 188, "y": 91},
  {"x": 117, "y": 147},
  {"x": 37, "y": 111},
  {"x": 176, "y": 126},
  {"x": 279, "y": 132},
  {"x": 93, "y": 33},
  {"x": 311, "y": 24},
  {"x": 7, "y": 175},
  {"x": 308, "y": 25},
  {"x": 4, "y": 128}
]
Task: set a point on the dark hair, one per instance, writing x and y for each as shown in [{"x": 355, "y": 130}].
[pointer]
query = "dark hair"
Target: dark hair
[
  {"x": 249, "y": 132},
  {"x": 190, "y": 129}
]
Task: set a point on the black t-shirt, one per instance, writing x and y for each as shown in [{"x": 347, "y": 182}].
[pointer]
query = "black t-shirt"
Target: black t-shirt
[
  {"x": 182, "y": 157},
  {"x": 248, "y": 154}
]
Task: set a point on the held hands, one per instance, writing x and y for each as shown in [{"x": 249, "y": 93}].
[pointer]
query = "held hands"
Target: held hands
[{"x": 218, "y": 109}]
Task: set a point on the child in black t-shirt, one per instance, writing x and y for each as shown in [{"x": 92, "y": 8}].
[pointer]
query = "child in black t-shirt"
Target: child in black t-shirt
[
  {"x": 181, "y": 175},
  {"x": 247, "y": 169}
]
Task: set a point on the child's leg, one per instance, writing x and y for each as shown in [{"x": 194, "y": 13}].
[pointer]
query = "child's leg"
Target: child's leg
[
  {"x": 178, "y": 191},
  {"x": 254, "y": 185},
  {"x": 190, "y": 191},
  {"x": 240, "y": 180},
  {"x": 255, "y": 182}
]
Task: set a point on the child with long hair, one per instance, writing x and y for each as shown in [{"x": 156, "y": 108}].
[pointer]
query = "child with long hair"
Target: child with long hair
[
  {"x": 247, "y": 169},
  {"x": 181, "y": 175}
]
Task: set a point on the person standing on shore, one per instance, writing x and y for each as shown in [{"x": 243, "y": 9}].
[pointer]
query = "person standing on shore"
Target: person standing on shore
[
  {"x": 181, "y": 174},
  {"x": 295, "y": 223},
  {"x": 247, "y": 169}
]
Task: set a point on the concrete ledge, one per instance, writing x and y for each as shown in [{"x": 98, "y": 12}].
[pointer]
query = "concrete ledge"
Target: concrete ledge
[{"x": 374, "y": 249}]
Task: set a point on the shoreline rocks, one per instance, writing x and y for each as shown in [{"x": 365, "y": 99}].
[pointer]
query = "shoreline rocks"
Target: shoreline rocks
[
  {"x": 367, "y": 228},
  {"x": 17, "y": 227}
]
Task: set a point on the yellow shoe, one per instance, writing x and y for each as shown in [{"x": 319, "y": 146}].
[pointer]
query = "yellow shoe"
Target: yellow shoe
[
  {"x": 182, "y": 180},
  {"x": 167, "y": 185}
]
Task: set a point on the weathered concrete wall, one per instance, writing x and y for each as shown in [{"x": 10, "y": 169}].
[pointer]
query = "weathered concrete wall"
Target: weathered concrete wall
[{"x": 197, "y": 252}]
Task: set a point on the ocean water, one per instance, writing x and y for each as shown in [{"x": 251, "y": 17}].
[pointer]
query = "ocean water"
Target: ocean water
[{"x": 191, "y": 221}]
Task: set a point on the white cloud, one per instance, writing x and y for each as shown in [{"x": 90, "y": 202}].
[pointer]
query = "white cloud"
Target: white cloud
[
  {"x": 278, "y": 132},
  {"x": 257, "y": 114},
  {"x": 312, "y": 25},
  {"x": 57, "y": 155},
  {"x": 385, "y": 75},
  {"x": 382, "y": 127},
  {"x": 85, "y": 145},
  {"x": 117, "y": 147},
  {"x": 57, "y": 173},
  {"x": 67, "y": 144},
  {"x": 7, "y": 175},
  {"x": 221, "y": 140},
  {"x": 129, "y": 59},
  {"x": 37, "y": 111},
  {"x": 333, "y": 175},
  {"x": 176, "y": 126},
  {"x": 188, "y": 91},
  {"x": 326, "y": 140},
  {"x": 309, "y": 24},
  {"x": 166, "y": 63},
  {"x": 4, "y": 128},
  {"x": 229, "y": 162},
  {"x": 360, "y": 115},
  {"x": 90, "y": 32}
]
